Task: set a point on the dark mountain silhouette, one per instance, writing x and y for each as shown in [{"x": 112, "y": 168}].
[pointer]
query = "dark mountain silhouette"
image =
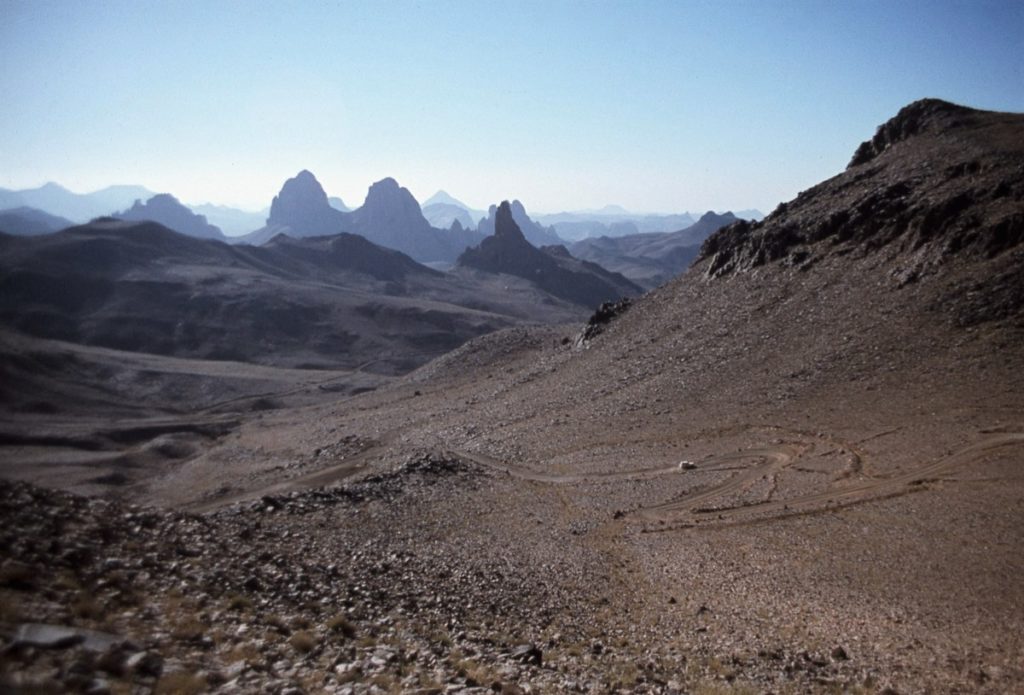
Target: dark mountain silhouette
[
  {"x": 77, "y": 207},
  {"x": 535, "y": 233},
  {"x": 390, "y": 217},
  {"x": 300, "y": 210},
  {"x": 337, "y": 301},
  {"x": 651, "y": 259},
  {"x": 557, "y": 273},
  {"x": 26, "y": 221},
  {"x": 166, "y": 210}
]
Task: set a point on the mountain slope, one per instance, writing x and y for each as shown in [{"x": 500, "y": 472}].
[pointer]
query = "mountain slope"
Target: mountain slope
[
  {"x": 25, "y": 221},
  {"x": 508, "y": 252},
  {"x": 937, "y": 183},
  {"x": 335, "y": 301}
]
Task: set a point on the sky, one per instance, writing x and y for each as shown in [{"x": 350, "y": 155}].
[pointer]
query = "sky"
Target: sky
[{"x": 655, "y": 106}]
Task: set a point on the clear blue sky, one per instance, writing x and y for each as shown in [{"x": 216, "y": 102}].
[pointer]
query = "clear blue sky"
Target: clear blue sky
[{"x": 656, "y": 106}]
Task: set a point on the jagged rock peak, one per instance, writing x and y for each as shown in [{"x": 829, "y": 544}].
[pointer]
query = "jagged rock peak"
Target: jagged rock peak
[
  {"x": 505, "y": 226},
  {"x": 387, "y": 197},
  {"x": 297, "y": 196},
  {"x": 385, "y": 184},
  {"x": 918, "y": 117}
]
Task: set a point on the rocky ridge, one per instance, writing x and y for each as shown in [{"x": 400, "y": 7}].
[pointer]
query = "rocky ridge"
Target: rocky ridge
[{"x": 936, "y": 182}]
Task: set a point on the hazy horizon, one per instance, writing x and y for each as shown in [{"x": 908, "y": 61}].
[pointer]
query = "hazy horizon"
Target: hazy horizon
[{"x": 657, "y": 107}]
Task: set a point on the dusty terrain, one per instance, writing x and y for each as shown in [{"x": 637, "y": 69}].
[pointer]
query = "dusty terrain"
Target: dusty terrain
[{"x": 797, "y": 468}]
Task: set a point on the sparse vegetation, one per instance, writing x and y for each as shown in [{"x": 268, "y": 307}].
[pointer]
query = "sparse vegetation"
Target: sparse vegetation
[
  {"x": 342, "y": 625},
  {"x": 239, "y": 602},
  {"x": 302, "y": 641}
]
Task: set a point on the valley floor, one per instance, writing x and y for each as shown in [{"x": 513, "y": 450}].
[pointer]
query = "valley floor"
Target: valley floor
[{"x": 409, "y": 540}]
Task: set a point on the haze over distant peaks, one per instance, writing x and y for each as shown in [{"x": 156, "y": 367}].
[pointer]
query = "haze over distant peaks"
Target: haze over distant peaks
[
  {"x": 338, "y": 204},
  {"x": 168, "y": 211},
  {"x": 442, "y": 197},
  {"x": 443, "y": 216},
  {"x": 232, "y": 221},
  {"x": 77, "y": 207},
  {"x": 442, "y": 209},
  {"x": 651, "y": 259}
]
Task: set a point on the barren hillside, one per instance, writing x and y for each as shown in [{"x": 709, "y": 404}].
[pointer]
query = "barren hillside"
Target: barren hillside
[{"x": 795, "y": 468}]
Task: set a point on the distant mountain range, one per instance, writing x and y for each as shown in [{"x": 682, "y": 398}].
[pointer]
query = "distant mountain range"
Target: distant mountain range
[
  {"x": 615, "y": 221},
  {"x": 444, "y": 215},
  {"x": 654, "y": 258},
  {"x": 442, "y": 198},
  {"x": 77, "y": 207},
  {"x": 232, "y": 221},
  {"x": 436, "y": 232}
]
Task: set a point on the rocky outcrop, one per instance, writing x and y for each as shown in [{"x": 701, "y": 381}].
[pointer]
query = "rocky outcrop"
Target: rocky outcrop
[
  {"x": 508, "y": 251},
  {"x": 537, "y": 234},
  {"x": 166, "y": 210},
  {"x": 302, "y": 207},
  {"x": 936, "y": 183},
  {"x": 921, "y": 116}
]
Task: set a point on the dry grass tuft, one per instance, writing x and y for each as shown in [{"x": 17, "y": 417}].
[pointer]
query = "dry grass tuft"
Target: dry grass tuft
[
  {"x": 303, "y": 641},
  {"x": 342, "y": 624}
]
